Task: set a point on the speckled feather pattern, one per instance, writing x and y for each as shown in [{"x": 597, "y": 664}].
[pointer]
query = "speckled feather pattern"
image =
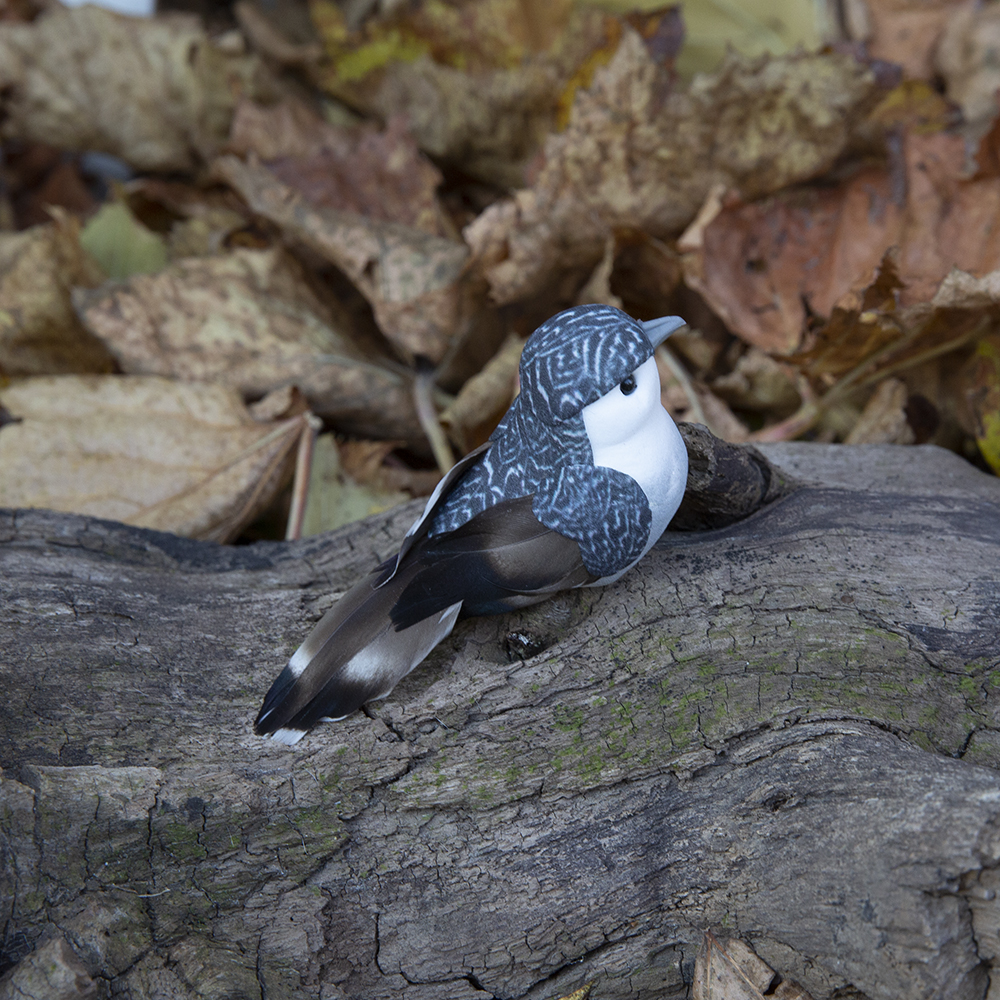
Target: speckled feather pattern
[{"x": 541, "y": 448}]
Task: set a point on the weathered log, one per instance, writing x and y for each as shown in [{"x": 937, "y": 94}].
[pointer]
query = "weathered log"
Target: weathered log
[{"x": 786, "y": 728}]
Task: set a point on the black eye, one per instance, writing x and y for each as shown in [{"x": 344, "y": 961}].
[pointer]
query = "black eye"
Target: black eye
[{"x": 627, "y": 385}]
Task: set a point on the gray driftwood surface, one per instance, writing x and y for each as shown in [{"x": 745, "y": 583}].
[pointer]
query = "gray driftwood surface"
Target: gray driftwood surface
[{"x": 785, "y": 730}]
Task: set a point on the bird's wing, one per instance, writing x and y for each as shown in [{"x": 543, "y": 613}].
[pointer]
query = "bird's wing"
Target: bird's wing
[
  {"x": 418, "y": 529},
  {"x": 380, "y": 630},
  {"x": 502, "y": 558},
  {"x": 603, "y": 509},
  {"x": 353, "y": 655}
]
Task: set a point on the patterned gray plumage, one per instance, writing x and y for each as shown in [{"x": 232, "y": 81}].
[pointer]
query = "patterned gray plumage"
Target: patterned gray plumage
[{"x": 541, "y": 447}]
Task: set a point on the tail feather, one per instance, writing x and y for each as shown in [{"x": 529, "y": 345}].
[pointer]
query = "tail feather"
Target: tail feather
[{"x": 353, "y": 655}]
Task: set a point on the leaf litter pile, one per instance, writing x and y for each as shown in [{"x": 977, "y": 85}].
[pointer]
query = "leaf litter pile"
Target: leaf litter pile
[{"x": 219, "y": 237}]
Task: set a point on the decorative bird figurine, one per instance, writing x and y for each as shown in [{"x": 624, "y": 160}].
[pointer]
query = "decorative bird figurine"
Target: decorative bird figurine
[{"x": 575, "y": 485}]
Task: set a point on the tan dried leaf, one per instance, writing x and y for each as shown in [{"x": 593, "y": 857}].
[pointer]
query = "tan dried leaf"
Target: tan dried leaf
[
  {"x": 39, "y": 331},
  {"x": 907, "y": 32},
  {"x": 481, "y": 89},
  {"x": 336, "y": 498},
  {"x": 186, "y": 458},
  {"x": 636, "y": 156},
  {"x": 728, "y": 969},
  {"x": 414, "y": 281},
  {"x": 378, "y": 174},
  {"x": 485, "y": 397},
  {"x": 365, "y": 462},
  {"x": 760, "y": 383},
  {"x": 883, "y": 420},
  {"x": 966, "y": 59},
  {"x": 249, "y": 321},
  {"x": 155, "y": 91}
]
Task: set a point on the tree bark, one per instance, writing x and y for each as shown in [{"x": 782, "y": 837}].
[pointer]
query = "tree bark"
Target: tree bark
[{"x": 785, "y": 729}]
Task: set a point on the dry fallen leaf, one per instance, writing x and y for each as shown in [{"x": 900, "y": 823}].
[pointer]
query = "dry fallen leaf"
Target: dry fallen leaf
[
  {"x": 730, "y": 970},
  {"x": 39, "y": 331},
  {"x": 480, "y": 89},
  {"x": 155, "y": 91},
  {"x": 248, "y": 320},
  {"x": 485, "y": 397},
  {"x": 372, "y": 463},
  {"x": 335, "y": 497},
  {"x": 121, "y": 244},
  {"x": 378, "y": 174},
  {"x": 906, "y": 32},
  {"x": 639, "y": 156},
  {"x": 883, "y": 420},
  {"x": 414, "y": 281},
  {"x": 762, "y": 265},
  {"x": 180, "y": 457},
  {"x": 984, "y": 398},
  {"x": 966, "y": 59},
  {"x": 758, "y": 383}
]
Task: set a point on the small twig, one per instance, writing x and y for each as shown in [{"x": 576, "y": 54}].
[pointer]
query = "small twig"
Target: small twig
[
  {"x": 303, "y": 469},
  {"x": 679, "y": 373},
  {"x": 811, "y": 411},
  {"x": 423, "y": 389}
]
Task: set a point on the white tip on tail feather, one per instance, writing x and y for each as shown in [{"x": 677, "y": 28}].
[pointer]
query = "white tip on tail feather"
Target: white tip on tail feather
[{"x": 288, "y": 736}]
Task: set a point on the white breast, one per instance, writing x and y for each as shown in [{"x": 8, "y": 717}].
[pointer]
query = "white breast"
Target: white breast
[{"x": 635, "y": 435}]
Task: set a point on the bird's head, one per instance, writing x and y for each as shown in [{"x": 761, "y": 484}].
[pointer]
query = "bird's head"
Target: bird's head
[{"x": 580, "y": 355}]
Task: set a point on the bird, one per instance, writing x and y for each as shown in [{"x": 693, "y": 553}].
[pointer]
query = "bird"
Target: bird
[{"x": 577, "y": 482}]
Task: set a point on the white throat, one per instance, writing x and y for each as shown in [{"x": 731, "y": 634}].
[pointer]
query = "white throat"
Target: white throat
[{"x": 635, "y": 435}]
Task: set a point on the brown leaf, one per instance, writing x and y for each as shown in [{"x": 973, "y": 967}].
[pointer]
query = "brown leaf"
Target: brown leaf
[
  {"x": 763, "y": 264},
  {"x": 336, "y": 498},
  {"x": 381, "y": 175},
  {"x": 883, "y": 420},
  {"x": 366, "y": 463},
  {"x": 178, "y": 457},
  {"x": 907, "y": 32},
  {"x": 759, "y": 383},
  {"x": 637, "y": 156},
  {"x": 269, "y": 41},
  {"x": 414, "y": 281},
  {"x": 481, "y": 89},
  {"x": 39, "y": 331},
  {"x": 729, "y": 970},
  {"x": 247, "y": 320},
  {"x": 966, "y": 59},
  {"x": 485, "y": 397},
  {"x": 155, "y": 91}
]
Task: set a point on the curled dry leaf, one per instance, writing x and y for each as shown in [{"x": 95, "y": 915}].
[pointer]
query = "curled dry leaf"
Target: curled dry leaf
[
  {"x": 637, "y": 156},
  {"x": 186, "y": 458},
  {"x": 907, "y": 32},
  {"x": 759, "y": 383},
  {"x": 966, "y": 59},
  {"x": 762, "y": 265},
  {"x": 378, "y": 174},
  {"x": 336, "y": 498},
  {"x": 371, "y": 463},
  {"x": 728, "y": 969},
  {"x": 39, "y": 331},
  {"x": 247, "y": 320},
  {"x": 484, "y": 398},
  {"x": 883, "y": 420},
  {"x": 154, "y": 91},
  {"x": 480, "y": 89},
  {"x": 414, "y": 281}
]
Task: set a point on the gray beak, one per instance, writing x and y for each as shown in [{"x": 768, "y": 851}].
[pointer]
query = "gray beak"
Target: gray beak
[{"x": 659, "y": 329}]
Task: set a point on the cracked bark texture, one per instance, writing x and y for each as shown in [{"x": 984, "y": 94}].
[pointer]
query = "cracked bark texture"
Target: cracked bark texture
[{"x": 786, "y": 728}]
